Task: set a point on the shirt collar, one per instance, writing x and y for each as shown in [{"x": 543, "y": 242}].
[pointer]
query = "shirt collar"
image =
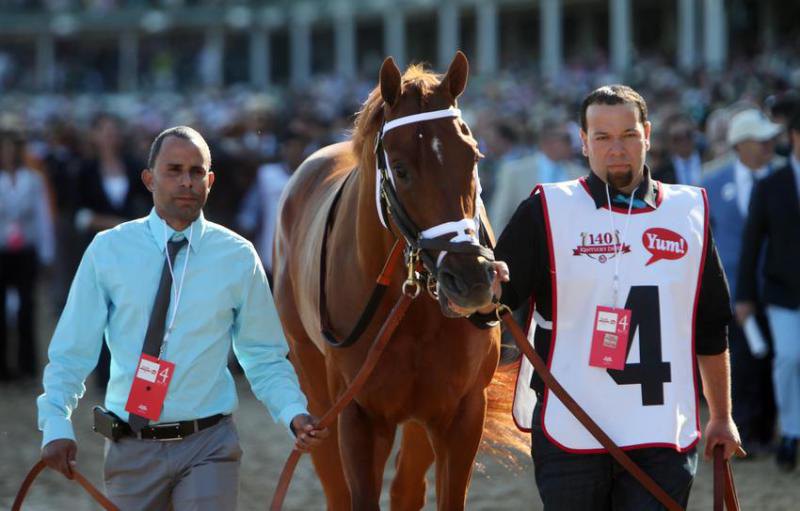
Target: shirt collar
[
  {"x": 157, "y": 226},
  {"x": 747, "y": 173},
  {"x": 647, "y": 190}
]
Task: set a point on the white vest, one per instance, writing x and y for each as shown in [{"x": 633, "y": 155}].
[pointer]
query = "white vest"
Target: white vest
[{"x": 661, "y": 262}]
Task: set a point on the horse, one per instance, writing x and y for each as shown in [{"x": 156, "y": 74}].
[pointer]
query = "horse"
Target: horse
[{"x": 411, "y": 161}]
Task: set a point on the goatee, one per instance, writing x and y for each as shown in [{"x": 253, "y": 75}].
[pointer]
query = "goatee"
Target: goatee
[{"x": 620, "y": 181}]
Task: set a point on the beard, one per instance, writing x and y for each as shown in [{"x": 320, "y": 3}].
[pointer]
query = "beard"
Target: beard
[{"x": 620, "y": 180}]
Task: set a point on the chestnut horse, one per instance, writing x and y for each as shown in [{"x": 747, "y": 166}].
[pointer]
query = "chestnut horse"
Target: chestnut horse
[{"x": 433, "y": 376}]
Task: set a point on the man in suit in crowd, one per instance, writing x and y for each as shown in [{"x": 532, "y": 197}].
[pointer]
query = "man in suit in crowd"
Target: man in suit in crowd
[
  {"x": 682, "y": 164},
  {"x": 752, "y": 137},
  {"x": 774, "y": 221},
  {"x": 517, "y": 178}
]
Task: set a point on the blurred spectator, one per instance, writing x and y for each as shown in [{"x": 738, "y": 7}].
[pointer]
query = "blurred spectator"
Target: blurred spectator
[
  {"x": 752, "y": 136},
  {"x": 26, "y": 240},
  {"x": 516, "y": 178},
  {"x": 682, "y": 164},
  {"x": 774, "y": 224},
  {"x": 781, "y": 109},
  {"x": 500, "y": 145},
  {"x": 259, "y": 212},
  {"x": 62, "y": 162},
  {"x": 110, "y": 192}
]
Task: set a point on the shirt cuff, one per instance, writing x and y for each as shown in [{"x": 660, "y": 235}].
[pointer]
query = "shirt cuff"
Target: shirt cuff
[
  {"x": 56, "y": 428},
  {"x": 289, "y": 413}
]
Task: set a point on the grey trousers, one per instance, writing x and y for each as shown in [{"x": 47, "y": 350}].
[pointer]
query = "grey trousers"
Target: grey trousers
[{"x": 200, "y": 472}]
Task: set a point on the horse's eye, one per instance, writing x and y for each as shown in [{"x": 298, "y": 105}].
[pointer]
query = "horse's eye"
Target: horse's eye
[{"x": 400, "y": 172}]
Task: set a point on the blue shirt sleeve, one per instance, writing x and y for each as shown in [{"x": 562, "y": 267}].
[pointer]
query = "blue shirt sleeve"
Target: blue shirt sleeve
[
  {"x": 261, "y": 349},
  {"x": 74, "y": 350}
]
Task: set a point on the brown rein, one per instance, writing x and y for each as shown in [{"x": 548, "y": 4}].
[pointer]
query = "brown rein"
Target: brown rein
[
  {"x": 724, "y": 488},
  {"x": 96, "y": 494},
  {"x": 375, "y": 351},
  {"x": 723, "y": 477}
]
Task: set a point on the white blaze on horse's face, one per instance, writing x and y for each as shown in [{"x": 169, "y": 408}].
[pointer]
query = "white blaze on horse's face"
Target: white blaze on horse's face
[{"x": 436, "y": 145}]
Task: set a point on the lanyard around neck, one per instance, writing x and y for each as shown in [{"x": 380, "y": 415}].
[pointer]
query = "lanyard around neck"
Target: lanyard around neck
[
  {"x": 618, "y": 247},
  {"x": 178, "y": 288}
]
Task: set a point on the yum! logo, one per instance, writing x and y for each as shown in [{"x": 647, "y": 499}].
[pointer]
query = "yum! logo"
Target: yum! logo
[{"x": 663, "y": 244}]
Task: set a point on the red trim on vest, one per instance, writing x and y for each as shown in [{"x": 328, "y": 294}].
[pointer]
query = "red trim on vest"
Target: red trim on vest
[
  {"x": 694, "y": 314},
  {"x": 527, "y": 330},
  {"x": 554, "y": 293}
]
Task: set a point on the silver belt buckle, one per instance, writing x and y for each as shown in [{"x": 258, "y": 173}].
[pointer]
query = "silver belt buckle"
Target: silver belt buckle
[{"x": 176, "y": 425}]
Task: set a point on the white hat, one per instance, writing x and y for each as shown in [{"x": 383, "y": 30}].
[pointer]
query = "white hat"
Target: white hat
[{"x": 751, "y": 124}]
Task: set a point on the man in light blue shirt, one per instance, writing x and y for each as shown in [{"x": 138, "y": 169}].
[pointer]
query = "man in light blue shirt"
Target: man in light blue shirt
[{"x": 218, "y": 298}]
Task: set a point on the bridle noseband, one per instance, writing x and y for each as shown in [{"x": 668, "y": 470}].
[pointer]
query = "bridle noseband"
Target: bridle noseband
[{"x": 432, "y": 239}]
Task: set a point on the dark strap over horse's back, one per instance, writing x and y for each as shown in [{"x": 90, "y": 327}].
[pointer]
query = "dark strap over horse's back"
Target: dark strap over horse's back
[{"x": 377, "y": 293}]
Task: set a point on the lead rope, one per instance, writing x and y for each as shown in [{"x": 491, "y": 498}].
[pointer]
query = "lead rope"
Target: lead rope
[
  {"x": 613, "y": 449},
  {"x": 411, "y": 289},
  {"x": 724, "y": 487},
  {"x": 34, "y": 472}
]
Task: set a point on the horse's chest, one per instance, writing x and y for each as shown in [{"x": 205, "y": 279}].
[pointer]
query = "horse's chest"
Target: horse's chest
[{"x": 426, "y": 374}]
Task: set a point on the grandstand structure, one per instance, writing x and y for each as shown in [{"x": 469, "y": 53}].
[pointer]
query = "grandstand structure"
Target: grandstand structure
[{"x": 140, "y": 45}]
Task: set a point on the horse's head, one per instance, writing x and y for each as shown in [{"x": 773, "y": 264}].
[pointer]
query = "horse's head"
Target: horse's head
[{"x": 428, "y": 158}]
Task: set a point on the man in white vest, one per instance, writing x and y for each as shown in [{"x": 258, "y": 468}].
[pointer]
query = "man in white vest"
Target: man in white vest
[{"x": 630, "y": 298}]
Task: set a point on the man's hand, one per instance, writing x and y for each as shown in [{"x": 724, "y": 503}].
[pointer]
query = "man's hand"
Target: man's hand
[
  {"x": 307, "y": 432},
  {"x": 744, "y": 310},
  {"x": 60, "y": 456},
  {"x": 501, "y": 274},
  {"x": 723, "y": 432}
]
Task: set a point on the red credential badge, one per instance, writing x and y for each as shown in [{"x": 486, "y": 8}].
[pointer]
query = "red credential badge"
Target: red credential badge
[
  {"x": 610, "y": 338},
  {"x": 149, "y": 388}
]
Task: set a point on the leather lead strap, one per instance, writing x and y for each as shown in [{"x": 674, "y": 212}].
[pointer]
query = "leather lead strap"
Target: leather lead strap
[
  {"x": 724, "y": 488},
  {"x": 375, "y": 351},
  {"x": 613, "y": 449},
  {"x": 96, "y": 494}
]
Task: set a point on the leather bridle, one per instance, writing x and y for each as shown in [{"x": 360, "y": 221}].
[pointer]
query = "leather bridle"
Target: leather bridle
[{"x": 431, "y": 240}]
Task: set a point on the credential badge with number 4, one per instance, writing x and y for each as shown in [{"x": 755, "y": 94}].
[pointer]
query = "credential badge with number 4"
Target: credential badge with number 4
[
  {"x": 610, "y": 338},
  {"x": 149, "y": 388}
]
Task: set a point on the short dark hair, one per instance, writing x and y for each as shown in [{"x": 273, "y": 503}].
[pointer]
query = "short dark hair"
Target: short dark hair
[
  {"x": 184, "y": 132},
  {"x": 614, "y": 95}
]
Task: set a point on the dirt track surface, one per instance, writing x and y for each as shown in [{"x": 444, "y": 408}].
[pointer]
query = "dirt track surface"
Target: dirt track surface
[{"x": 266, "y": 446}]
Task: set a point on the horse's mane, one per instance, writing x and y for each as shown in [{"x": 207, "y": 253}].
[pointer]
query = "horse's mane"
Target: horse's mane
[{"x": 370, "y": 117}]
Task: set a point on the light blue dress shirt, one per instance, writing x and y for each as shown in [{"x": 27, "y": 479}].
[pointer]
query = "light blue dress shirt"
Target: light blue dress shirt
[{"x": 225, "y": 300}]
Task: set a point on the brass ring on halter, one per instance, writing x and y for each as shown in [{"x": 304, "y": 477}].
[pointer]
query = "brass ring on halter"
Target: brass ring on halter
[
  {"x": 431, "y": 287},
  {"x": 407, "y": 285}
]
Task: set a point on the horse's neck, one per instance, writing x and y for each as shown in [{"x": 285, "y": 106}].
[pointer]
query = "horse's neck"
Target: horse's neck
[{"x": 373, "y": 242}]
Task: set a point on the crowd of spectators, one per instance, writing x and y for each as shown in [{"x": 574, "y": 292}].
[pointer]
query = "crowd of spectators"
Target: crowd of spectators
[
  {"x": 96, "y": 5},
  {"x": 88, "y": 149}
]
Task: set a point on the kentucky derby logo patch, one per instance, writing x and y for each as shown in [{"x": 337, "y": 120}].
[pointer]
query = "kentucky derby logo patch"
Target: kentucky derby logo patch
[
  {"x": 600, "y": 246},
  {"x": 663, "y": 244}
]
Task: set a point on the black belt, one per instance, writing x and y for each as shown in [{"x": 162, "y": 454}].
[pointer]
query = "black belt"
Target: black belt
[{"x": 173, "y": 430}]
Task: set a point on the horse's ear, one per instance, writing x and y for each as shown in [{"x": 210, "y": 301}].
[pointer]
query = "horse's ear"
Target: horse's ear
[
  {"x": 455, "y": 81},
  {"x": 390, "y": 81}
]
